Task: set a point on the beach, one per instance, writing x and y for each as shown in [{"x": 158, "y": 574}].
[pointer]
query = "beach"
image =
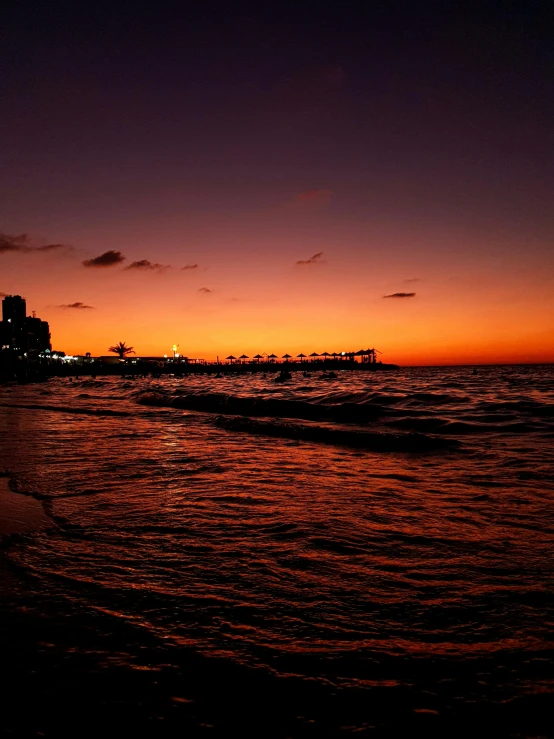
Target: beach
[
  {"x": 20, "y": 514},
  {"x": 323, "y": 557}
]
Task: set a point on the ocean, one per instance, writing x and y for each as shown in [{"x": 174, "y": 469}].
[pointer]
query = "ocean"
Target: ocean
[{"x": 370, "y": 554}]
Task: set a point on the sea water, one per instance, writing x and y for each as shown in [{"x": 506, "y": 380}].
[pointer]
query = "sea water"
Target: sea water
[{"x": 367, "y": 553}]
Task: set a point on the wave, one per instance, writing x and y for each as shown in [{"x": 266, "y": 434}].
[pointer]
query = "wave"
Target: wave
[
  {"x": 417, "y": 413},
  {"x": 359, "y": 439},
  {"x": 523, "y": 407},
  {"x": 78, "y": 410},
  {"x": 266, "y": 407},
  {"x": 447, "y": 426}
]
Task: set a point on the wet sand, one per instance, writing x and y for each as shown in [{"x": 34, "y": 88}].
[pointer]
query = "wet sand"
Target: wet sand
[{"x": 19, "y": 514}]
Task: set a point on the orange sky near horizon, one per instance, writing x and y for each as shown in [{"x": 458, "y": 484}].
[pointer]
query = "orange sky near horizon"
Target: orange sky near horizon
[{"x": 493, "y": 310}]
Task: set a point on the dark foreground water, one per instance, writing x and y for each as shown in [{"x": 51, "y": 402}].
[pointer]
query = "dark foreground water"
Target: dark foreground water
[{"x": 372, "y": 554}]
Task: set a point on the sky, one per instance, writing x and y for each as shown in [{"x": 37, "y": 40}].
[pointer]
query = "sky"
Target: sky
[{"x": 317, "y": 177}]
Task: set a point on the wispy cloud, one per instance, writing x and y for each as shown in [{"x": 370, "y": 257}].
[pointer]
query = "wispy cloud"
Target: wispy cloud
[
  {"x": 146, "y": 264},
  {"x": 78, "y": 306},
  {"x": 4, "y": 295},
  {"x": 205, "y": 290},
  {"x": 315, "y": 196},
  {"x": 21, "y": 243},
  {"x": 13, "y": 243},
  {"x": 400, "y": 295},
  {"x": 190, "y": 266},
  {"x": 316, "y": 259},
  {"x": 413, "y": 279},
  {"x": 53, "y": 247},
  {"x": 107, "y": 259}
]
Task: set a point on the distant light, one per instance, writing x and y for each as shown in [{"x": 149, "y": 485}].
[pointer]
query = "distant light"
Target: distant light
[
  {"x": 9, "y": 320},
  {"x": 177, "y": 355},
  {"x": 343, "y": 353},
  {"x": 165, "y": 356}
]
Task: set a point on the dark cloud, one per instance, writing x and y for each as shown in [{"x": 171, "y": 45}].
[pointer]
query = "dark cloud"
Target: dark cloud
[
  {"x": 146, "y": 264},
  {"x": 5, "y": 248},
  {"x": 413, "y": 279},
  {"x": 400, "y": 295},
  {"x": 4, "y": 295},
  {"x": 205, "y": 290},
  {"x": 21, "y": 244},
  {"x": 107, "y": 259},
  {"x": 315, "y": 196},
  {"x": 14, "y": 243},
  {"x": 190, "y": 266},
  {"x": 78, "y": 305},
  {"x": 316, "y": 259}
]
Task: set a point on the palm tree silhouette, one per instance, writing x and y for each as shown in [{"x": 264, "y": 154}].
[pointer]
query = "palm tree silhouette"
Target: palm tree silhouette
[{"x": 122, "y": 349}]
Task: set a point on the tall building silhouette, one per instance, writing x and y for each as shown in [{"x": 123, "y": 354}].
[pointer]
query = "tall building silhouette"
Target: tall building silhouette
[
  {"x": 38, "y": 334},
  {"x": 20, "y": 332},
  {"x": 14, "y": 309}
]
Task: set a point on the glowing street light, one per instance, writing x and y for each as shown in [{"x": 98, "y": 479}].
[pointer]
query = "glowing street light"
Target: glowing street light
[{"x": 175, "y": 347}]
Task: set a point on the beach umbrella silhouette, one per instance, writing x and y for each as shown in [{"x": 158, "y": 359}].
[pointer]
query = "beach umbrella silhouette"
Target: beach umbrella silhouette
[
  {"x": 231, "y": 358},
  {"x": 272, "y": 356},
  {"x": 286, "y": 356},
  {"x": 258, "y": 357},
  {"x": 313, "y": 355},
  {"x": 301, "y": 356},
  {"x": 243, "y": 356},
  {"x": 325, "y": 354}
]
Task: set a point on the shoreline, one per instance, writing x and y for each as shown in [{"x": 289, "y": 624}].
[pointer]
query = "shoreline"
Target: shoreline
[
  {"x": 24, "y": 372},
  {"x": 21, "y": 514}
]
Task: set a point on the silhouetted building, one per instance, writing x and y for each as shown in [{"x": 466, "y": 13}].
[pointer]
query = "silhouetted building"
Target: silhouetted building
[
  {"x": 20, "y": 332},
  {"x": 14, "y": 309},
  {"x": 38, "y": 334},
  {"x": 6, "y": 333}
]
